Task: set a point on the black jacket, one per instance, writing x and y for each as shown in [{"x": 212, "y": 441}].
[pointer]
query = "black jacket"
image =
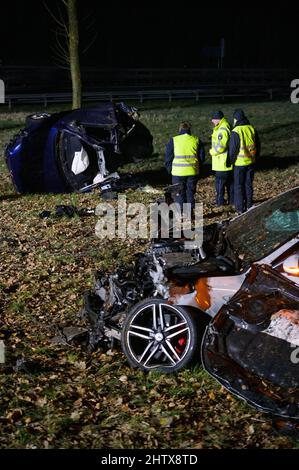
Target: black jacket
[
  {"x": 234, "y": 144},
  {"x": 169, "y": 154}
]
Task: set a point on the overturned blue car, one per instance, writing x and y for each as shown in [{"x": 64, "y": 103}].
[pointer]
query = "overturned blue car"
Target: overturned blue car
[{"x": 73, "y": 150}]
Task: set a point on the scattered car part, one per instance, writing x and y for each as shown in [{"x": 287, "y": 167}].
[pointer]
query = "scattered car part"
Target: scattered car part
[
  {"x": 112, "y": 183},
  {"x": 70, "y": 334},
  {"x": 68, "y": 211}
]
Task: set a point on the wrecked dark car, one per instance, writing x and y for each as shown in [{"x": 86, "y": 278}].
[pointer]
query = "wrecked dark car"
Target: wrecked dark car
[
  {"x": 233, "y": 304},
  {"x": 76, "y": 150}
]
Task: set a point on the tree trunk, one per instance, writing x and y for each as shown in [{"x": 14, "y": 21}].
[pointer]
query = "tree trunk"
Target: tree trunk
[{"x": 74, "y": 53}]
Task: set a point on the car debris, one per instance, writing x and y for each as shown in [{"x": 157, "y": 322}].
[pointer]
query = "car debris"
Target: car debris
[
  {"x": 27, "y": 366},
  {"x": 113, "y": 182},
  {"x": 68, "y": 211},
  {"x": 70, "y": 335},
  {"x": 76, "y": 150},
  {"x": 149, "y": 189},
  {"x": 236, "y": 306},
  {"x": 108, "y": 189}
]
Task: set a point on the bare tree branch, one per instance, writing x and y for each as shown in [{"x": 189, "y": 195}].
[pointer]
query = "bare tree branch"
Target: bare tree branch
[
  {"x": 89, "y": 21},
  {"x": 91, "y": 43},
  {"x": 66, "y": 51},
  {"x": 62, "y": 49},
  {"x": 53, "y": 16}
]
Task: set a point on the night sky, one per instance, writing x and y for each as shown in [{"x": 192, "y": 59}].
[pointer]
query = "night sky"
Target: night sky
[{"x": 155, "y": 34}]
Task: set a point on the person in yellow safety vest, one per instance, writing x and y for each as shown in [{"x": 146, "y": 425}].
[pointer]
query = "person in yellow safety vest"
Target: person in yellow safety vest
[
  {"x": 244, "y": 148},
  {"x": 223, "y": 173},
  {"x": 183, "y": 157}
]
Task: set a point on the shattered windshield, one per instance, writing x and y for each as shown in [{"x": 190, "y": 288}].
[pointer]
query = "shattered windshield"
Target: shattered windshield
[{"x": 264, "y": 228}]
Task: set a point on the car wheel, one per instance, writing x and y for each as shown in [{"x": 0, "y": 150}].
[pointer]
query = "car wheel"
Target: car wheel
[
  {"x": 159, "y": 336},
  {"x": 36, "y": 118}
]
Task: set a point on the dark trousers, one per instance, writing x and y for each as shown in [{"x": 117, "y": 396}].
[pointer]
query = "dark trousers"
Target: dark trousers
[
  {"x": 188, "y": 189},
  {"x": 224, "y": 181},
  {"x": 243, "y": 178}
]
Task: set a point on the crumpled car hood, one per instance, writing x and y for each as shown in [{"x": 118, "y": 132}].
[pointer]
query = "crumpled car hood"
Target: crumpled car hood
[{"x": 250, "y": 346}]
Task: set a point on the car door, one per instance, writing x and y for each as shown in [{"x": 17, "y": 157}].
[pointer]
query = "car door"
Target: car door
[{"x": 252, "y": 345}]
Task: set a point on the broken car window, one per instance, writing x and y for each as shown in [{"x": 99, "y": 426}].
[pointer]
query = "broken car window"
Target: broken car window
[{"x": 264, "y": 228}]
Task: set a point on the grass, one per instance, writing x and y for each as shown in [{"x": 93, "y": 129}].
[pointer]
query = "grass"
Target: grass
[{"x": 72, "y": 399}]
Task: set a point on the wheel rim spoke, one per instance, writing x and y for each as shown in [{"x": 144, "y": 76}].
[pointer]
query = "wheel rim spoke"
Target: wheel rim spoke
[
  {"x": 151, "y": 354},
  {"x": 154, "y": 317},
  {"x": 168, "y": 355},
  {"x": 139, "y": 335},
  {"x": 173, "y": 350},
  {"x": 177, "y": 333},
  {"x": 174, "y": 326},
  {"x": 142, "y": 328},
  {"x": 161, "y": 317},
  {"x": 145, "y": 351}
]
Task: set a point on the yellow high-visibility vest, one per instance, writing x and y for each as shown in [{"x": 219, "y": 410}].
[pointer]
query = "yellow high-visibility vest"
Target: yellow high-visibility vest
[
  {"x": 220, "y": 142},
  {"x": 247, "y": 151},
  {"x": 185, "y": 162}
]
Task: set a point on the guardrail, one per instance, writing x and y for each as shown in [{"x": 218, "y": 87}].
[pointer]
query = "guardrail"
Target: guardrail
[
  {"x": 40, "y": 79},
  {"x": 143, "y": 95}
]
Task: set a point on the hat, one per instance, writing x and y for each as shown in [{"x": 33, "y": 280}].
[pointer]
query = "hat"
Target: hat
[
  {"x": 239, "y": 114},
  {"x": 217, "y": 115}
]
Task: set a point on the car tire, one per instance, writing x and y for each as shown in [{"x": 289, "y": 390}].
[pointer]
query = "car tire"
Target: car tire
[
  {"x": 152, "y": 341},
  {"x": 36, "y": 119}
]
